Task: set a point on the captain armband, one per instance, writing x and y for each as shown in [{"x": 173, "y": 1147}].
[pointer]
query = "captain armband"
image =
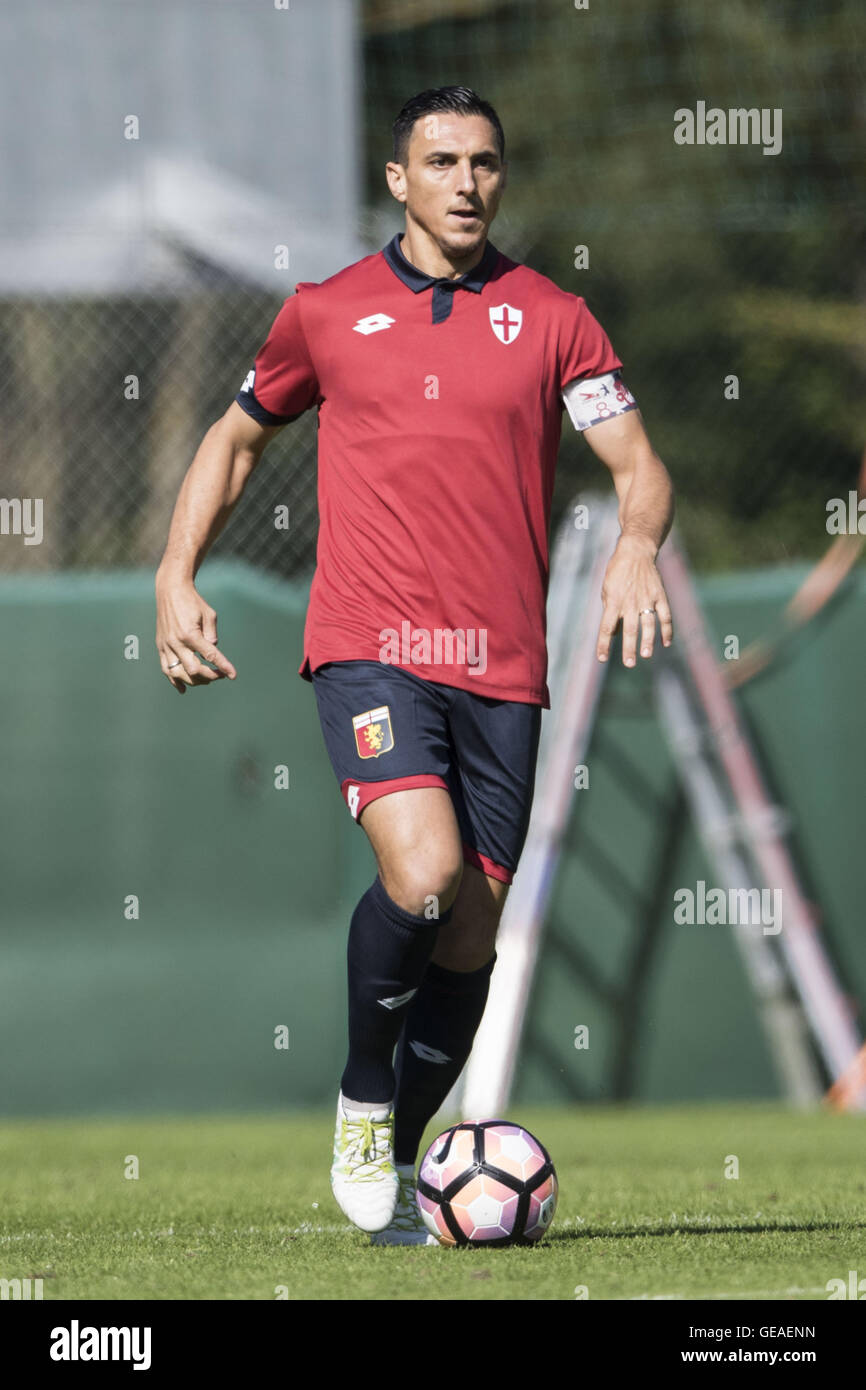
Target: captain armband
[{"x": 590, "y": 400}]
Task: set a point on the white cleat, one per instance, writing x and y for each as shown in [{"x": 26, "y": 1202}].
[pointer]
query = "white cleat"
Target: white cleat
[
  {"x": 363, "y": 1177},
  {"x": 407, "y": 1224}
]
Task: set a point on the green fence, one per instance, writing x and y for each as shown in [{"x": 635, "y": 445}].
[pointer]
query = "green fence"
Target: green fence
[{"x": 167, "y": 907}]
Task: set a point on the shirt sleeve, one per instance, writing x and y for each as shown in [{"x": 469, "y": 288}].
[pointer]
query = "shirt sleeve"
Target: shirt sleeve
[
  {"x": 282, "y": 383},
  {"x": 584, "y": 347}
]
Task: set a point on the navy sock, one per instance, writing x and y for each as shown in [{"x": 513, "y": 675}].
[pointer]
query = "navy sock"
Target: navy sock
[
  {"x": 387, "y": 954},
  {"x": 437, "y": 1038}
]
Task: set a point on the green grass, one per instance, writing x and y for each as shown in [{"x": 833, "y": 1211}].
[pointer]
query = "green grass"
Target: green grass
[{"x": 234, "y": 1208}]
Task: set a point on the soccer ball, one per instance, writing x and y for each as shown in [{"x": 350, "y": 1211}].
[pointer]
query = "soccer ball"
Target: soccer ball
[{"x": 487, "y": 1182}]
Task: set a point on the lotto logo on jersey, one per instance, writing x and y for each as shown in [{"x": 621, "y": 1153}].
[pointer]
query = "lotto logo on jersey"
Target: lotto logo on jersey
[
  {"x": 373, "y": 323},
  {"x": 373, "y": 732}
]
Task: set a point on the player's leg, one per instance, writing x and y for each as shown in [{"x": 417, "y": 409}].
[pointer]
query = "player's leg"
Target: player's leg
[
  {"x": 381, "y": 726},
  {"x": 446, "y": 1012},
  {"x": 438, "y": 1034},
  {"x": 416, "y": 841},
  {"x": 497, "y": 748}
]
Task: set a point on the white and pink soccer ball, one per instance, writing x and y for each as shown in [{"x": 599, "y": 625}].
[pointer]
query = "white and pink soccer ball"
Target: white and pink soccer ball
[{"x": 487, "y": 1182}]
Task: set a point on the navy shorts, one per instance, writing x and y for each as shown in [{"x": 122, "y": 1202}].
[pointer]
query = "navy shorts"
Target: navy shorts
[{"x": 387, "y": 729}]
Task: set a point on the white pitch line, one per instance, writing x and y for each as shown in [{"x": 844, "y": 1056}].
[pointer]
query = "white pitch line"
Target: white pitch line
[
  {"x": 306, "y": 1228},
  {"x": 708, "y": 1297}
]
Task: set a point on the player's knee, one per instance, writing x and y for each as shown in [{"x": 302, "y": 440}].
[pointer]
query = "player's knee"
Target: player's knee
[{"x": 425, "y": 885}]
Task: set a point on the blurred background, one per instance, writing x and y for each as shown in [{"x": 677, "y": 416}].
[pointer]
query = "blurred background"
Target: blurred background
[{"x": 168, "y": 173}]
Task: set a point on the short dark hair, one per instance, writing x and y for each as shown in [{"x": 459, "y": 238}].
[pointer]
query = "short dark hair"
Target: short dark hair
[{"x": 459, "y": 101}]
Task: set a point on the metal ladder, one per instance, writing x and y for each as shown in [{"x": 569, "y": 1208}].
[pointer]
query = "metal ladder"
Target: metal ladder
[{"x": 799, "y": 1003}]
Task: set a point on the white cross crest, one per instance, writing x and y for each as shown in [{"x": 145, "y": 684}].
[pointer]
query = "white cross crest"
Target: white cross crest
[{"x": 506, "y": 322}]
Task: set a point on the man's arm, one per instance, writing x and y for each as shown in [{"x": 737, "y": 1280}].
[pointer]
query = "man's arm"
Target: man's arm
[
  {"x": 646, "y": 511},
  {"x": 185, "y": 624}
]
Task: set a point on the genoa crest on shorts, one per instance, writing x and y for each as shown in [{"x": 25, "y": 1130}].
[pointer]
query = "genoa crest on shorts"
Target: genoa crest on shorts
[{"x": 373, "y": 732}]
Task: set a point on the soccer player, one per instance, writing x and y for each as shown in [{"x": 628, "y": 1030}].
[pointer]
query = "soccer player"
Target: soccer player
[{"x": 439, "y": 369}]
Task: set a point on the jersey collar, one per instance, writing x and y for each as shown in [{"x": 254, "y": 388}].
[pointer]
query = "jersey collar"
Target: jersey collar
[{"x": 474, "y": 279}]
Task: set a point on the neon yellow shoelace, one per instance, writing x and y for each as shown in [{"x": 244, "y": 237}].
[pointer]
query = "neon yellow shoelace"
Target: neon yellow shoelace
[
  {"x": 407, "y": 1216},
  {"x": 360, "y": 1140}
]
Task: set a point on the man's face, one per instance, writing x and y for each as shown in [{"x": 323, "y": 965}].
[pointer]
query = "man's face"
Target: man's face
[{"x": 452, "y": 181}]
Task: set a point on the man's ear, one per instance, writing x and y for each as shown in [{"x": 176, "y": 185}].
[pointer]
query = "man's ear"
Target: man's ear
[
  {"x": 396, "y": 177},
  {"x": 504, "y": 177}
]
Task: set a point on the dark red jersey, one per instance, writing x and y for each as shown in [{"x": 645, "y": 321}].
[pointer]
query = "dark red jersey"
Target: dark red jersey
[{"x": 440, "y": 411}]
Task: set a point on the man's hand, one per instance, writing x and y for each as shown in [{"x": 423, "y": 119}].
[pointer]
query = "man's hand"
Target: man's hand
[
  {"x": 632, "y": 593},
  {"x": 186, "y": 629},
  {"x": 632, "y": 585}
]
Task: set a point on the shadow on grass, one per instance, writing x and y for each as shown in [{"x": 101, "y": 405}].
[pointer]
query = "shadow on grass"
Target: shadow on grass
[{"x": 702, "y": 1229}]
